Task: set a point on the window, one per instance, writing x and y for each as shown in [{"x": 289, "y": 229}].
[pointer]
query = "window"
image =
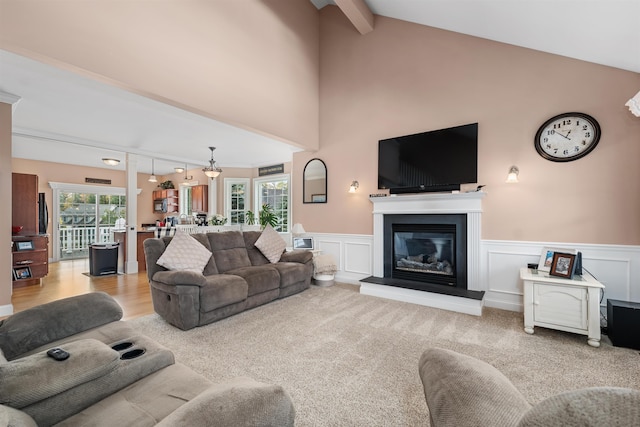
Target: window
[
  {"x": 236, "y": 201},
  {"x": 274, "y": 191},
  {"x": 185, "y": 200}
]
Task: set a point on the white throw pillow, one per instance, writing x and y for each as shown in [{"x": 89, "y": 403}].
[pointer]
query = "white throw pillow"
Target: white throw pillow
[
  {"x": 271, "y": 244},
  {"x": 184, "y": 253}
]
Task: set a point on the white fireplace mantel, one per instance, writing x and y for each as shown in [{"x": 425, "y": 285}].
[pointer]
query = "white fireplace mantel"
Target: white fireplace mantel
[{"x": 430, "y": 203}]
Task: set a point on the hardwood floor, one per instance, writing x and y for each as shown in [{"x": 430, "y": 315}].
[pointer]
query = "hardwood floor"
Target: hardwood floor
[{"x": 66, "y": 279}]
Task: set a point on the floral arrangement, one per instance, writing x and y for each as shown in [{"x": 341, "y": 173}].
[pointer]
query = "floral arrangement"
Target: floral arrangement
[{"x": 217, "y": 219}]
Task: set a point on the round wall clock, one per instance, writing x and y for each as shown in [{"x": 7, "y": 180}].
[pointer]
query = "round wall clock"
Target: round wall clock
[{"x": 567, "y": 137}]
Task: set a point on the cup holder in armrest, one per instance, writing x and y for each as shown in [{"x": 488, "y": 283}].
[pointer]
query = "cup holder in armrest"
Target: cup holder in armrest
[
  {"x": 132, "y": 354},
  {"x": 122, "y": 346}
]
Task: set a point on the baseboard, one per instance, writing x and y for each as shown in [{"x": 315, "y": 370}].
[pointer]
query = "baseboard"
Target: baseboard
[{"x": 6, "y": 310}]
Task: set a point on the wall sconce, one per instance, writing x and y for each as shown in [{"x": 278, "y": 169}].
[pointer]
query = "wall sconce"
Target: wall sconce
[
  {"x": 634, "y": 105},
  {"x": 153, "y": 178},
  {"x": 512, "y": 178},
  {"x": 354, "y": 186},
  {"x": 111, "y": 162},
  {"x": 297, "y": 229}
]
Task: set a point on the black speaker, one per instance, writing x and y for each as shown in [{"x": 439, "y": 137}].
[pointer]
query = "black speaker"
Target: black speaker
[{"x": 623, "y": 323}]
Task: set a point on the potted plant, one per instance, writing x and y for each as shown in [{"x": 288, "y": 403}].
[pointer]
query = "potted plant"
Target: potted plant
[{"x": 265, "y": 216}]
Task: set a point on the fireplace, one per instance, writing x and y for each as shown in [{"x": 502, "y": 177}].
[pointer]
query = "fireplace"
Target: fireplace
[{"x": 426, "y": 249}]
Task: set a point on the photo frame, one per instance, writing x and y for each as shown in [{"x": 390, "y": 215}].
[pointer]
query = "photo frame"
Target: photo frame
[
  {"x": 303, "y": 243},
  {"x": 546, "y": 257},
  {"x": 22, "y": 273},
  {"x": 318, "y": 198},
  {"x": 24, "y": 246},
  {"x": 563, "y": 265}
]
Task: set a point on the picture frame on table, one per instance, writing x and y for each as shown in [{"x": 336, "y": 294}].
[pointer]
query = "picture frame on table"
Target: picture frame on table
[
  {"x": 24, "y": 246},
  {"x": 22, "y": 273},
  {"x": 546, "y": 257},
  {"x": 563, "y": 265}
]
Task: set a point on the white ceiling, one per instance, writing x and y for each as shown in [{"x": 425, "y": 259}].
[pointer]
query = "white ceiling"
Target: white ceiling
[{"x": 66, "y": 118}]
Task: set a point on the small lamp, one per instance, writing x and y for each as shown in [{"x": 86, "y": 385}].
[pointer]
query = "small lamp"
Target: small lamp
[
  {"x": 153, "y": 178},
  {"x": 297, "y": 229},
  {"x": 512, "y": 178},
  {"x": 354, "y": 186},
  {"x": 111, "y": 162}
]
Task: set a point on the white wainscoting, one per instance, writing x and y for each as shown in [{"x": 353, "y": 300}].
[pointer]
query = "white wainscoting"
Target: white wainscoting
[
  {"x": 353, "y": 254},
  {"x": 615, "y": 266}
]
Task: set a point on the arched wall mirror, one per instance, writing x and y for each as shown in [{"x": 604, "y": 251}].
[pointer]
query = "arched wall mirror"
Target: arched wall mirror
[{"x": 314, "y": 182}]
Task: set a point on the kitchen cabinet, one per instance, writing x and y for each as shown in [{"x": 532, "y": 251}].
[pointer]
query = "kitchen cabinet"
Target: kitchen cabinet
[
  {"x": 24, "y": 202},
  {"x": 200, "y": 199},
  {"x": 30, "y": 258},
  {"x": 171, "y": 195}
]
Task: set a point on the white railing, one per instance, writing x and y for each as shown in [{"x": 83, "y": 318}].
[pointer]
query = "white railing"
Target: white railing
[{"x": 75, "y": 239}]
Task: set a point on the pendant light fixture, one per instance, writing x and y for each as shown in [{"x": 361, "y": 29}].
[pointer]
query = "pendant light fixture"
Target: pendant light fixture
[
  {"x": 187, "y": 179},
  {"x": 212, "y": 170},
  {"x": 153, "y": 178}
]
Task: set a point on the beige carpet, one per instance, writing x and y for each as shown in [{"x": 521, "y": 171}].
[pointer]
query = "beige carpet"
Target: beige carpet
[{"x": 352, "y": 360}]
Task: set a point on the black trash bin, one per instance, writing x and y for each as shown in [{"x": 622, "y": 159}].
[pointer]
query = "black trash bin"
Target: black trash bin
[{"x": 103, "y": 258}]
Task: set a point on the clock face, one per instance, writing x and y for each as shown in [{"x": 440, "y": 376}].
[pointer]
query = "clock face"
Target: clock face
[{"x": 567, "y": 137}]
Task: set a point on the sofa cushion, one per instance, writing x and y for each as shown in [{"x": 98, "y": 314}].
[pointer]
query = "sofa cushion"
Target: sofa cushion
[
  {"x": 229, "y": 250},
  {"x": 54, "y": 321},
  {"x": 11, "y": 417},
  {"x": 259, "y": 278},
  {"x": 256, "y": 257},
  {"x": 292, "y": 273},
  {"x": 587, "y": 407},
  {"x": 185, "y": 253},
  {"x": 221, "y": 290},
  {"x": 271, "y": 244}
]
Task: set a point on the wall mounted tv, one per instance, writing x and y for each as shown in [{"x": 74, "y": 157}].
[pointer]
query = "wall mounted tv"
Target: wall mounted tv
[{"x": 439, "y": 160}]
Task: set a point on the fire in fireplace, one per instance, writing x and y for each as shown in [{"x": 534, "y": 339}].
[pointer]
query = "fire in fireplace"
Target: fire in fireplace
[{"x": 426, "y": 249}]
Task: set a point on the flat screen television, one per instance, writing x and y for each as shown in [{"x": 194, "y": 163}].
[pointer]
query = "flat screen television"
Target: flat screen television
[{"x": 438, "y": 160}]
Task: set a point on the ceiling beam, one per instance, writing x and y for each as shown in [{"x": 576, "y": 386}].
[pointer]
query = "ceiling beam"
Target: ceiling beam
[{"x": 358, "y": 13}]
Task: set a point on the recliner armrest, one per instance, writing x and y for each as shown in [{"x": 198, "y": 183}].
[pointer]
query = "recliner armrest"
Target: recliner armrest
[
  {"x": 236, "y": 403},
  {"x": 38, "y": 326},
  {"x": 178, "y": 277},
  {"x": 33, "y": 378},
  {"x": 297, "y": 256}
]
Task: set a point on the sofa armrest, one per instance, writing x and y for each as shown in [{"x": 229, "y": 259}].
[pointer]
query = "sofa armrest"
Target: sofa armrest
[
  {"x": 178, "y": 277},
  {"x": 464, "y": 391},
  {"x": 297, "y": 256},
  {"x": 15, "y": 418},
  {"x": 33, "y": 378},
  {"x": 236, "y": 403},
  {"x": 38, "y": 326}
]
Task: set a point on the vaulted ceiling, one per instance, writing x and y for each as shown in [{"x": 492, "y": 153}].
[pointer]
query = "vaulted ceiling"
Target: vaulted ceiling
[{"x": 63, "y": 117}]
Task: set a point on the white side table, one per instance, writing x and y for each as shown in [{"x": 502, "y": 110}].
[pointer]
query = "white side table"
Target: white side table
[{"x": 571, "y": 305}]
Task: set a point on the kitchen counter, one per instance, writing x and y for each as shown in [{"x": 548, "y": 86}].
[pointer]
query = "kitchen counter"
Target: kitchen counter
[{"x": 142, "y": 235}]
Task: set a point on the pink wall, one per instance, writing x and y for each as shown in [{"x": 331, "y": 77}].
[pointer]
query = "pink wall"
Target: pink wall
[
  {"x": 250, "y": 64},
  {"x": 404, "y": 78}
]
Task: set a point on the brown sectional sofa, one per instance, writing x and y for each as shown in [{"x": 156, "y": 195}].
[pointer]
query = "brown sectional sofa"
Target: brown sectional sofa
[
  {"x": 236, "y": 278},
  {"x": 114, "y": 376}
]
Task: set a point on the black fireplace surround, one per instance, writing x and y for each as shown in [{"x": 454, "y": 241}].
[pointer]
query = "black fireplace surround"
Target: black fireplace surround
[{"x": 426, "y": 249}]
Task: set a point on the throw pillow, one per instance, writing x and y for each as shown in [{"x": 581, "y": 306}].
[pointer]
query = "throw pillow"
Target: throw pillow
[
  {"x": 184, "y": 253},
  {"x": 271, "y": 244}
]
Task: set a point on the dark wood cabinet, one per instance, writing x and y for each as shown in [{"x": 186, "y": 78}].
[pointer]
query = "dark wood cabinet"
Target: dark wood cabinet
[
  {"x": 24, "y": 199},
  {"x": 30, "y": 258},
  {"x": 200, "y": 199},
  {"x": 121, "y": 237}
]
